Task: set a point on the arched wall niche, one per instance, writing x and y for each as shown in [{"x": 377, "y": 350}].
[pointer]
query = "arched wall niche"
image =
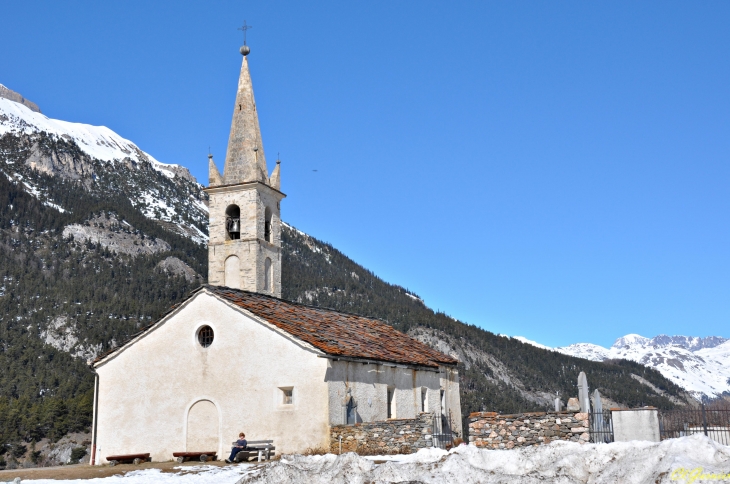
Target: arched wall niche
[
  {"x": 232, "y": 272},
  {"x": 202, "y": 427},
  {"x": 268, "y": 275}
]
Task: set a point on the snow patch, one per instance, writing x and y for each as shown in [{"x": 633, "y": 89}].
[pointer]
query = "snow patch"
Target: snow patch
[
  {"x": 530, "y": 342},
  {"x": 53, "y": 205}
]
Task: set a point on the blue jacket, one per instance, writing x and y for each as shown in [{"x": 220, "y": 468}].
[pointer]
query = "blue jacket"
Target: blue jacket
[{"x": 241, "y": 443}]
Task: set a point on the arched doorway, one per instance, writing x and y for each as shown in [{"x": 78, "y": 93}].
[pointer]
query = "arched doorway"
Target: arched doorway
[{"x": 203, "y": 432}]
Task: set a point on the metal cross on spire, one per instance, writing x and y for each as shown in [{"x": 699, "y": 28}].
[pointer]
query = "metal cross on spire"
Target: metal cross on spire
[{"x": 244, "y": 28}]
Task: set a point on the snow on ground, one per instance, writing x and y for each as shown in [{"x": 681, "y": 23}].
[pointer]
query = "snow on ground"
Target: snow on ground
[
  {"x": 674, "y": 460},
  {"x": 202, "y": 474},
  {"x": 558, "y": 463}
]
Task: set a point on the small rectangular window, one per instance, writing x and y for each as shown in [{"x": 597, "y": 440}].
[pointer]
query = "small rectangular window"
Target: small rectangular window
[
  {"x": 443, "y": 403},
  {"x": 391, "y": 402},
  {"x": 424, "y": 399},
  {"x": 287, "y": 396}
]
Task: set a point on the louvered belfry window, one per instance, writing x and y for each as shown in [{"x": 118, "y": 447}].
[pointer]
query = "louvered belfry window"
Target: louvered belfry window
[{"x": 205, "y": 336}]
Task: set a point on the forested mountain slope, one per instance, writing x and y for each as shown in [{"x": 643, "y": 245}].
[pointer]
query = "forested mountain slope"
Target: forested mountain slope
[
  {"x": 64, "y": 300},
  {"x": 96, "y": 238},
  {"x": 92, "y": 249}
]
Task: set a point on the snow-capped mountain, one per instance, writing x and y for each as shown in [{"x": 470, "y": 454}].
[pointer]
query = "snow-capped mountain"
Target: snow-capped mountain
[
  {"x": 104, "y": 162},
  {"x": 699, "y": 365}
]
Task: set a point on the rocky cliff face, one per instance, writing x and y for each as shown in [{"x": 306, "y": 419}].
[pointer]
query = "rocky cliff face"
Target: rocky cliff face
[
  {"x": 14, "y": 96},
  {"x": 106, "y": 230},
  {"x": 35, "y": 147},
  {"x": 475, "y": 358}
]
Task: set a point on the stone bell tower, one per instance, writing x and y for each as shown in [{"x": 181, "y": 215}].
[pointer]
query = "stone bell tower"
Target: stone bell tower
[{"x": 244, "y": 250}]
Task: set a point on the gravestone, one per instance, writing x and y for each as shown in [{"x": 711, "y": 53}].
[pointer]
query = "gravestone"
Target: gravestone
[
  {"x": 558, "y": 404},
  {"x": 597, "y": 404},
  {"x": 598, "y": 425},
  {"x": 583, "y": 395},
  {"x": 573, "y": 405}
]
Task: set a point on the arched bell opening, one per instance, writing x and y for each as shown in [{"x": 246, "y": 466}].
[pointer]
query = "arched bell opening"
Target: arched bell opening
[
  {"x": 268, "y": 236},
  {"x": 233, "y": 222}
]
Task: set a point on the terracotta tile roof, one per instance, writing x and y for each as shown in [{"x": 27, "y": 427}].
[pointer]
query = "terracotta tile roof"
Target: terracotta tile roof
[
  {"x": 332, "y": 332},
  {"x": 336, "y": 333}
]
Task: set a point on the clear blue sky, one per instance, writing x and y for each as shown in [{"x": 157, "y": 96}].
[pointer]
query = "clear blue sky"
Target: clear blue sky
[{"x": 557, "y": 170}]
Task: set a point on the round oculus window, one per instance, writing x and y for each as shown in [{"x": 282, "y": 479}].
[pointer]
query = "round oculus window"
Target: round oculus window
[{"x": 205, "y": 336}]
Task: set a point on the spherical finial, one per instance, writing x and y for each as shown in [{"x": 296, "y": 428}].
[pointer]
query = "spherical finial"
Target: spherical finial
[
  {"x": 210, "y": 156},
  {"x": 245, "y": 50}
]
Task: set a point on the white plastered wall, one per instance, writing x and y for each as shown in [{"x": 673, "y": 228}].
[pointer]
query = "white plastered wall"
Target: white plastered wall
[
  {"x": 369, "y": 382},
  {"x": 450, "y": 384},
  {"x": 636, "y": 424},
  {"x": 146, "y": 389}
]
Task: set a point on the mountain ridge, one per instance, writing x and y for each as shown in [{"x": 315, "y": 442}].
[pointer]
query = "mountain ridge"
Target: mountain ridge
[{"x": 700, "y": 365}]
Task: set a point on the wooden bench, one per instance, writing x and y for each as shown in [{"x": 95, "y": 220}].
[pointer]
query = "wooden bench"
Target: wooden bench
[
  {"x": 135, "y": 459},
  {"x": 261, "y": 449},
  {"x": 202, "y": 456}
]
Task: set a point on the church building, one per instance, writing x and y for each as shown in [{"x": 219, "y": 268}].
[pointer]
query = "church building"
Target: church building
[{"x": 233, "y": 356}]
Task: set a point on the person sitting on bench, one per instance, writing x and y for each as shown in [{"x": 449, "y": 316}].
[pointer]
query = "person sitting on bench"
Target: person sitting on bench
[{"x": 241, "y": 444}]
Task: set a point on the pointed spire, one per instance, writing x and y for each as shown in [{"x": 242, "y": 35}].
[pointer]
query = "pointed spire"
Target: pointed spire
[
  {"x": 245, "y": 159},
  {"x": 275, "y": 180},
  {"x": 214, "y": 176}
]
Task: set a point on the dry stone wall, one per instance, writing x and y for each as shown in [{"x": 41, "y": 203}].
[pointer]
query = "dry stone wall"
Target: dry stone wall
[
  {"x": 396, "y": 436},
  {"x": 494, "y": 431}
]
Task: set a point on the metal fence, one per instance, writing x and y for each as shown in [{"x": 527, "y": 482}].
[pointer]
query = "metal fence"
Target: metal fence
[
  {"x": 600, "y": 427},
  {"x": 442, "y": 435},
  {"x": 711, "y": 422}
]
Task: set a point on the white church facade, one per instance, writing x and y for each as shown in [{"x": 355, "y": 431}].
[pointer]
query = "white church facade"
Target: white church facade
[{"x": 235, "y": 357}]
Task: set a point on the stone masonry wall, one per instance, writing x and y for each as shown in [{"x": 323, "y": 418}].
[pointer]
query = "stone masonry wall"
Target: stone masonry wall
[
  {"x": 494, "y": 431},
  {"x": 251, "y": 249},
  {"x": 396, "y": 436}
]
